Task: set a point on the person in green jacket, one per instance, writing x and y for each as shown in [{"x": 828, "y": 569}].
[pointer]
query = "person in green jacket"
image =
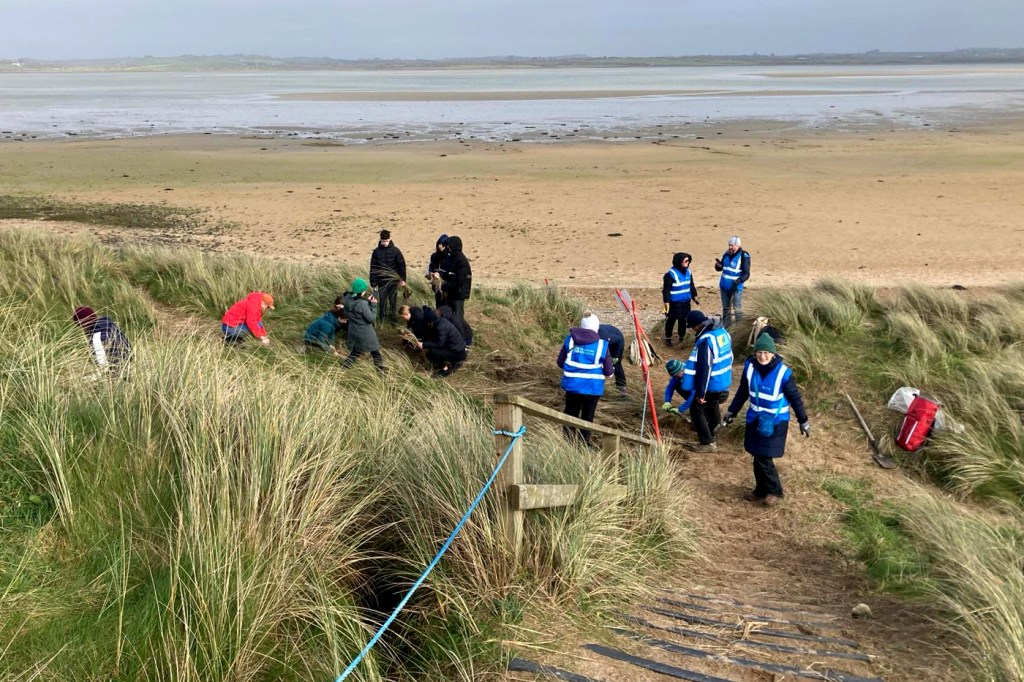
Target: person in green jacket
[
  {"x": 323, "y": 332},
  {"x": 361, "y": 307}
]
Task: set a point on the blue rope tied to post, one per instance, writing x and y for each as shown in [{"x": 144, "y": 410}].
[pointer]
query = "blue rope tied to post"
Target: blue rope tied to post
[{"x": 437, "y": 557}]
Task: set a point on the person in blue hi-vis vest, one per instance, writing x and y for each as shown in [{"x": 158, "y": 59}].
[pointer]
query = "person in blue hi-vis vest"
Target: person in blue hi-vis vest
[
  {"x": 768, "y": 383},
  {"x": 678, "y": 291},
  {"x": 708, "y": 375},
  {"x": 585, "y": 363},
  {"x": 735, "y": 268}
]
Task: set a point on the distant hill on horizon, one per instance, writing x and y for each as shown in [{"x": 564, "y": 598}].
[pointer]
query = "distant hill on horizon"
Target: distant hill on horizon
[{"x": 246, "y": 62}]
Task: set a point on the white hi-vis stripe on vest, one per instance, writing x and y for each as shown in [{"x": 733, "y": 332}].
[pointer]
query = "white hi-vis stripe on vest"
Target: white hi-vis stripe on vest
[
  {"x": 570, "y": 362},
  {"x": 732, "y": 271},
  {"x": 775, "y": 396},
  {"x": 679, "y": 285},
  {"x": 716, "y": 356}
]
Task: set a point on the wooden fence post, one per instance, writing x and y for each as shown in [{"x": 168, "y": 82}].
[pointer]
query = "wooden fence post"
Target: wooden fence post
[
  {"x": 610, "y": 447},
  {"x": 508, "y": 417}
]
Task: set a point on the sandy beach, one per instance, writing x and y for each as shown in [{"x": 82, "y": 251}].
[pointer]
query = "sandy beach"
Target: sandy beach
[{"x": 935, "y": 206}]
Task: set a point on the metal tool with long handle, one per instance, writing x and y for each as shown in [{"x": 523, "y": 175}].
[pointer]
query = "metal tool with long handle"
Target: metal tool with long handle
[{"x": 881, "y": 460}]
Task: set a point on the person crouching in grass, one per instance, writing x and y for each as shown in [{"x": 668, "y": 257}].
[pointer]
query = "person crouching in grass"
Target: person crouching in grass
[
  {"x": 361, "y": 307},
  {"x": 323, "y": 332},
  {"x": 110, "y": 348},
  {"x": 245, "y": 318}
]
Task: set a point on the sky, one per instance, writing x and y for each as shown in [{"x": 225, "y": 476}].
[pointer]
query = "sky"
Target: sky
[{"x": 425, "y": 29}]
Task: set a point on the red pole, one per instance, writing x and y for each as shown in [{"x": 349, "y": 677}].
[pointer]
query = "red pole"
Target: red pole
[{"x": 645, "y": 365}]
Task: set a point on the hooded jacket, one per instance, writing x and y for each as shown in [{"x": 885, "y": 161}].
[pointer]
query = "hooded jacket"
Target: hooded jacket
[
  {"x": 667, "y": 281},
  {"x": 455, "y": 272},
  {"x": 250, "y": 311},
  {"x": 324, "y": 330},
  {"x": 386, "y": 262},
  {"x": 582, "y": 337},
  {"x": 444, "y": 336},
  {"x": 467, "y": 332},
  {"x": 362, "y": 337},
  {"x": 438, "y": 256}
]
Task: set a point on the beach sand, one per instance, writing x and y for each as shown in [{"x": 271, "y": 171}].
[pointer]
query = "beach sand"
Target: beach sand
[{"x": 935, "y": 206}]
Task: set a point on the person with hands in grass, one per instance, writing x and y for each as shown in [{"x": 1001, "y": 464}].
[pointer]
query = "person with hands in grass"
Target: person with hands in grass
[
  {"x": 245, "y": 318},
  {"x": 323, "y": 332},
  {"x": 675, "y": 385},
  {"x": 768, "y": 383},
  {"x": 735, "y": 268}
]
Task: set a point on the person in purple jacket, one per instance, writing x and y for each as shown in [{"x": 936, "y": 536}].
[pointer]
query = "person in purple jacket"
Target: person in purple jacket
[{"x": 585, "y": 363}]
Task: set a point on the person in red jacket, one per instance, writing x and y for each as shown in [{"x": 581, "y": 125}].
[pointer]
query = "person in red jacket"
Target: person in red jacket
[{"x": 245, "y": 317}]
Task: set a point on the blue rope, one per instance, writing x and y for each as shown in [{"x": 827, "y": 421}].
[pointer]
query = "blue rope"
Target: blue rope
[{"x": 437, "y": 557}]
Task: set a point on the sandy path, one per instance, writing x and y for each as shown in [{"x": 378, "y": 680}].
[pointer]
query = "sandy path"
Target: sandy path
[{"x": 933, "y": 206}]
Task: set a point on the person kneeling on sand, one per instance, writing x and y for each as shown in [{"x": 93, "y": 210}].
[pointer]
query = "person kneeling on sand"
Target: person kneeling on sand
[
  {"x": 769, "y": 385},
  {"x": 585, "y": 363},
  {"x": 110, "y": 348},
  {"x": 323, "y": 332},
  {"x": 245, "y": 318},
  {"x": 445, "y": 348},
  {"x": 361, "y": 307}
]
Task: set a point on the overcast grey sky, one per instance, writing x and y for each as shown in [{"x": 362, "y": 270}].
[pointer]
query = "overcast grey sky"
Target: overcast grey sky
[{"x": 64, "y": 29}]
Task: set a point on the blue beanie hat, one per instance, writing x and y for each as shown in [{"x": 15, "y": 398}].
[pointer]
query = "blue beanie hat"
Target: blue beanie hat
[{"x": 695, "y": 318}]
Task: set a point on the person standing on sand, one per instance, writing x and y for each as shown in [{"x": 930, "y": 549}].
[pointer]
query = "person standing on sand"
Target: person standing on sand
[
  {"x": 708, "y": 374},
  {"x": 361, "y": 307},
  {"x": 245, "y": 318},
  {"x": 434, "y": 265},
  {"x": 456, "y": 277},
  {"x": 769, "y": 385},
  {"x": 735, "y": 268},
  {"x": 677, "y": 291},
  {"x": 585, "y": 363},
  {"x": 387, "y": 274},
  {"x": 110, "y": 348}
]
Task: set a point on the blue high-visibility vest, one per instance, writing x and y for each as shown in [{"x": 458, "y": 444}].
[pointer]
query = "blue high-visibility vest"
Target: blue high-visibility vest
[
  {"x": 721, "y": 361},
  {"x": 766, "y": 393},
  {"x": 583, "y": 370},
  {"x": 680, "y": 291},
  {"x": 732, "y": 268}
]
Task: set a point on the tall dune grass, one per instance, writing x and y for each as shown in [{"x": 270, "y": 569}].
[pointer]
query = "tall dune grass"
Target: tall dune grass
[{"x": 242, "y": 515}]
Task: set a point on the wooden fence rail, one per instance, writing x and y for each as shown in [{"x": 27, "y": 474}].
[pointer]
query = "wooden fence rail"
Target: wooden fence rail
[{"x": 518, "y": 495}]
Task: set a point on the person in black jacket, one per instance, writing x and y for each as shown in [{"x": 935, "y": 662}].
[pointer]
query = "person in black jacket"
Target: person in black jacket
[
  {"x": 467, "y": 332},
  {"x": 434, "y": 265},
  {"x": 616, "y": 347},
  {"x": 456, "y": 277},
  {"x": 445, "y": 348},
  {"x": 387, "y": 273},
  {"x": 678, "y": 292}
]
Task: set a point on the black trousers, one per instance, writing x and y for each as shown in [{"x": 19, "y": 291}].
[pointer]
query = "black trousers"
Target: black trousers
[
  {"x": 706, "y": 417},
  {"x": 440, "y": 357},
  {"x": 620, "y": 374},
  {"x": 388, "y": 308},
  {"x": 584, "y": 407},
  {"x": 766, "y": 478},
  {"x": 378, "y": 361},
  {"x": 676, "y": 313},
  {"x": 458, "y": 307}
]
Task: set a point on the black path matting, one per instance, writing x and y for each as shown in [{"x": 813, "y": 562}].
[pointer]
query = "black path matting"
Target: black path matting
[
  {"x": 777, "y": 668},
  {"x": 749, "y": 643},
  {"x": 811, "y": 625},
  {"x": 663, "y": 668},
  {"x": 733, "y": 602},
  {"x": 697, "y": 620},
  {"x": 521, "y": 665}
]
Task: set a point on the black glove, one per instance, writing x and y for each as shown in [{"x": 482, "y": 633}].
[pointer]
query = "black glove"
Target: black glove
[
  {"x": 728, "y": 417},
  {"x": 805, "y": 428}
]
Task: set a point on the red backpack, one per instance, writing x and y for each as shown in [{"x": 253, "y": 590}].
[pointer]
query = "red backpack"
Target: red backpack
[{"x": 917, "y": 424}]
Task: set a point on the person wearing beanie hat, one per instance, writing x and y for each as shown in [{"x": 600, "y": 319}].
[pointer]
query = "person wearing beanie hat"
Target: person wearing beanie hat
[
  {"x": 768, "y": 383},
  {"x": 445, "y": 345},
  {"x": 361, "y": 308},
  {"x": 678, "y": 290},
  {"x": 735, "y": 268},
  {"x": 585, "y": 362},
  {"x": 245, "y": 318},
  {"x": 434, "y": 269},
  {"x": 387, "y": 274},
  {"x": 675, "y": 368},
  {"x": 110, "y": 348},
  {"x": 707, "y": 376}
]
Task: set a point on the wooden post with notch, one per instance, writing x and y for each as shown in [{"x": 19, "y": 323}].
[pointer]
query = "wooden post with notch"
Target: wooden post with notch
[{"x": 509, "y": 417}]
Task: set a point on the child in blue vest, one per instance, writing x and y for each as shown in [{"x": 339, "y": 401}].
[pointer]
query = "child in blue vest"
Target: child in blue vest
[
  {"x": 772, "y": 391},
  {"x": 585, "y": 363}
]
